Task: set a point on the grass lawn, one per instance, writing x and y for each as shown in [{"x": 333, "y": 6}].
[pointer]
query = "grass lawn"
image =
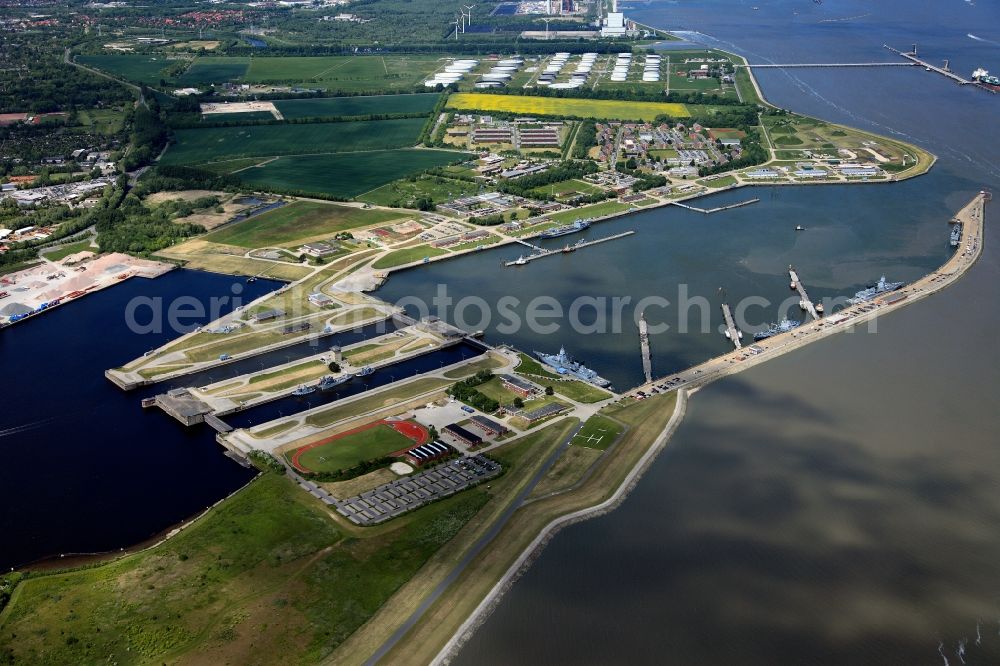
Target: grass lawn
[
  {"x": 293, "y": 369},
  {"x": 405, "y": 193},
  {"x": 193, "y": 146},
  {"x": 103, "y": 121},
  {"x": 567, "y": 470},
  {"x": 374, "y": 401},
  {"x": 344, "y": 73},
  {"x": 586, "y": 212},
  {"x": 571, "y": 186},
  {"x": 357, "y": 105},
  {"x": 408, "y": 255},
  {"x": 350, "y": 449},
  {"x": 725, "y": 181},
  {"x": 488, "y": 362},
  {"x": 599, "y": 432},
  {"x": 345, "y": 174},
  {"x": 64, "y": 251},
  {"x": 297, "y": 222},
  {"x": 266, "y": 576}
]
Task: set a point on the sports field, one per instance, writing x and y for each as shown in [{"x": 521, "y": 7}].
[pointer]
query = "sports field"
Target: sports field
[
  {"x": 357, "y": 105},
  {"x": 367, "y": 442},
  {"x": 345, "y": 174},
  {"x": 558, "y": 106},
  {"x": 215, "y": 143},
  {"x": 344, "y": 73},
  {"x": 296, "y": 222}
]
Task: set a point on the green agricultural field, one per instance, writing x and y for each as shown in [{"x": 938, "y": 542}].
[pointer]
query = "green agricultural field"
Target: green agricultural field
[
  {"x": 344, "y": 174},
  {"x": 139, "y": 68},
  {"x": 213, "y": 69},
  {"x": 212, "y": 143},
  {"x": 267, "y": 576},
  {"x": 349, "y": 450},
  {"x": 345, "y": 73},
  {"x": 296, "y": 222},
  {"x": 408, "y": 255},
  {"x": 358, "y": 105}
]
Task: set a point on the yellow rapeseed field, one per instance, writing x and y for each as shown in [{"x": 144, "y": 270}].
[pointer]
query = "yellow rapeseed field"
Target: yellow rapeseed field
[{"x": 559, "y": 106}]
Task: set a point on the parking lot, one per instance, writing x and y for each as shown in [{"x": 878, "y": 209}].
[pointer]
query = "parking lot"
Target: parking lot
[{"x": 409, "y": 493}]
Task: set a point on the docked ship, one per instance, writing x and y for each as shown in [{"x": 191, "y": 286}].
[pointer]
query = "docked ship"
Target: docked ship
[
  {"x": 330, "y": 382},
  {"x": 305, "y": 389},
  {"x": 873, "y": 290},
  {"x": 782, "y": 326},
  {"x": 985, "y": 80},
  {"x": 365, "y": 371},
  {"x": 565, "y": 365},
  {"x": 564, "y": 230},
  {"x": 956, "y": 235}
]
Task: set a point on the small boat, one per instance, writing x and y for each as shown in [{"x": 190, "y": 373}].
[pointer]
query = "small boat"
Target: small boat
[
  {"x": 819, "y": 308},
  {"x": 305, "y": 389},
  {"x": 799, "y": 227},
  {"x": 521, "y": 261}
]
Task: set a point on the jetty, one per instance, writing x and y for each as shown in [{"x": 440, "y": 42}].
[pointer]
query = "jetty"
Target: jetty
[
  {"x": 805, "y": 65},
  {"x": 708, "y": 211},
  {"x": 804, "y": 301},
  {"x": 732, "y": 332},
  {"x": 647, "y": 363},
  {"x": 521, "y": 261},
  {"x": 943, "y": 71}
]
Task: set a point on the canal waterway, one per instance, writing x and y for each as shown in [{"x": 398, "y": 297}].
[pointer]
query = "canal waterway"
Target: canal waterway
[
  {"x": 837, "y": 505},
  {"x": 380, "y": 377}
]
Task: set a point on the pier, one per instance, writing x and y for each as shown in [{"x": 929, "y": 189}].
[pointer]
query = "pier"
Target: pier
[
  {"x": 943, "y": 71},
  {"x": 569, "y": 248},
  {"x": 804, "y": 65},
  {"x": 732, "y": 332},
  {"x": 804, "y": 301},
  {"x": 647, "y": 363},
  {"x": 527, "y": 244},
  {"x": 708, "y": 211}
]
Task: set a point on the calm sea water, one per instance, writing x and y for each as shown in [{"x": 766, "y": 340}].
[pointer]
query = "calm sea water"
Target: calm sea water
[
  {"x": 85, "y": 468},
  {"x": 837, "y": 505}
]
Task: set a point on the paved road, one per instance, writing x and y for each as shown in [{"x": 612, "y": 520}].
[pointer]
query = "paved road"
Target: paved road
[{"x": 471, "y": 554}]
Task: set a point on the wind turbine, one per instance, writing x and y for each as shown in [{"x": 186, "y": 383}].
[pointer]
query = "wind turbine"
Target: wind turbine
[
  {"x": 546, "y": 27},
  {"x": 456, "y": 24},
  {"x": 468, "y": 8}
]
